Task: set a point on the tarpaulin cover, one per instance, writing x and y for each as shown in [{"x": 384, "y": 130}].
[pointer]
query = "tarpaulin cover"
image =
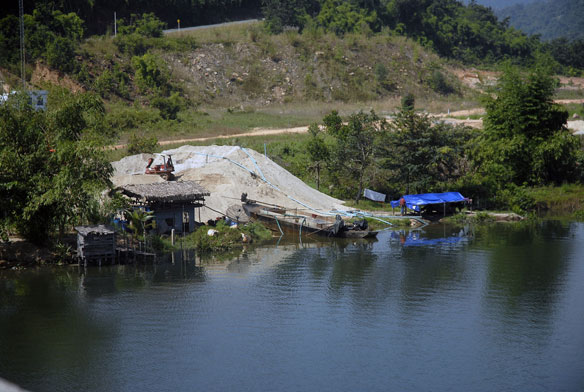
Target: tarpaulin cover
[
  {"x": 375, "y": 196},
  {"x": 414, "y": 202}
]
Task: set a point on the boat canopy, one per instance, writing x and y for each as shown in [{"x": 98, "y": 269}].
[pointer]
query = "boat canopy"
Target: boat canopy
[{"x": 414, "y": 202}]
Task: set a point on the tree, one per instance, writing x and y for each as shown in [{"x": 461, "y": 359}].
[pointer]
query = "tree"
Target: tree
[
  {"x": 525, "y": 139},
  {"x": 147, "y": 25},
  {"x": 151, "y": 73},
  {"x": 50, "y": 165},
  {"x": 169, "y": 107},
  {"x": 279, "y": 14},
  {"x": 53, "y": 36},
  {"x": 423, "y": 155},
  {"x": 317, "y": 150},
  {"x": 133, "y": 37},
  {"x": 342, "y": 17},
  {"x": 352, "y": 156}
]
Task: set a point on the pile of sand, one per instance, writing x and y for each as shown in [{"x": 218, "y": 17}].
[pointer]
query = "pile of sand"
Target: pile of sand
[
  {"x": 226, "y": 172},
  {"x": 577, "y": 126}
]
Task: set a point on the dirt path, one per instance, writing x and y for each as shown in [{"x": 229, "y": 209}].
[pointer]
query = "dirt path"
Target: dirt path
[
  {"x": 566, "y": 101},
  {"x": 447, "y": 117},
  {"x": 255, "y": 132}
]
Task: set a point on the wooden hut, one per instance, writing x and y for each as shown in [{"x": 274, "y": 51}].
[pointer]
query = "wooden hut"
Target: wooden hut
[
  {"x": 173, "y": 202},
  {"x": 96, "y": 244}
]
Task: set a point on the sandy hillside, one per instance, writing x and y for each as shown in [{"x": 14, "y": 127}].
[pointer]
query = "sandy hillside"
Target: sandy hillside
[{"x": 226, "y": 172}]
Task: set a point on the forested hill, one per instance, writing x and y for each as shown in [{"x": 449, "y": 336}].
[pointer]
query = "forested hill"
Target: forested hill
[
  {"x": 550, "y": 19},
  {"x": 99, "y": 15},
  {"x": 499, "y": 4},
  {"x": 469, "y": 33}
]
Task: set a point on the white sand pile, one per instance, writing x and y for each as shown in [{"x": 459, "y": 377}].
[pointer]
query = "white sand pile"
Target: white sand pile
[
  {"x": 577, "y": 126},
  {"x": 227, "y": 179}
]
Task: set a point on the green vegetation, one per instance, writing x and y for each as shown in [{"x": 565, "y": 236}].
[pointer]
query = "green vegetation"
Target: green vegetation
[
  {"x": 424, "y": 156},
  {"x": 524, "y": 143},
  {"x": 353, "y": 151},
  {"x": 570, "y": 54},
  {"x": 52, "y": 166},
  {"x": 564, "y": 199},
  {"x": 51, "y": 35},
  {"x": 225, "y": 237},
  {"x": 525, "y": 139},
  {"x": 550, "y": 20},
  {"x": 464, "y": 218},
  {"x": 469, "y": 33},
  {"x": 99, "y": 16},
  {"x": 137, "y": 145}
]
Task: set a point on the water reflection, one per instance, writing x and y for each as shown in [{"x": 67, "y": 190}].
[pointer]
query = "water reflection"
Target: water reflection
[
  {"x": 409, "y": 238},
  {"x": 45, "y": 328},
  {"x": 526, "y": 267},
  {"x": 444, "y": 308}
]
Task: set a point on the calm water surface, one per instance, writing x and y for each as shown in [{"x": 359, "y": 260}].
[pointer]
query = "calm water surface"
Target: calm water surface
[{"x": 443, "y": 309}]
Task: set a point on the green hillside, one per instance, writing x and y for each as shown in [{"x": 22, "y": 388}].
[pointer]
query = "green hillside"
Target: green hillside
[{"x": 549, "y": 19}]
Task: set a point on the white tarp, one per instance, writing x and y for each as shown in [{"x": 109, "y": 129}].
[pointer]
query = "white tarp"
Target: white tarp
[{"x": 375, "y": 196}]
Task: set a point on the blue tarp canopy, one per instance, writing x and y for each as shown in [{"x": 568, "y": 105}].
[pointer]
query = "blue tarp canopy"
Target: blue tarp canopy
[{"x": 414, "y": 202}]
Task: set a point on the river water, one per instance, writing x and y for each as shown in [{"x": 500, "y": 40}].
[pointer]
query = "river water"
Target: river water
[{"x": 498, "y": 308}]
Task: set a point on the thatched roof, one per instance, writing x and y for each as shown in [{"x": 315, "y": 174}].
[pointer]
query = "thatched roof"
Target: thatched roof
[
  {"x": 169, "y": 191},
  {"x": 94, "y": 229}
]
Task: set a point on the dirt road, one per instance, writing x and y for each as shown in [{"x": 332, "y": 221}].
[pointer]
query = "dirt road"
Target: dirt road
[
  {"x": 448, "y": 117},
  {"x": 255, "y": 132}
]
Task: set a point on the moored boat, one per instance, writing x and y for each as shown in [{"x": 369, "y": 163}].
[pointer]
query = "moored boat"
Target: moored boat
[{"x": 281, "y": 219}]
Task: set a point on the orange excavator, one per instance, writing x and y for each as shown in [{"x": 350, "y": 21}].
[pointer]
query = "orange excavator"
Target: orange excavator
[{"x": 164, "y": 170}]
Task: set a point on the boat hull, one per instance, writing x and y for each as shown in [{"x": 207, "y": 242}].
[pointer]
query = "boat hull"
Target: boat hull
[{"x": 280, "y": 221}]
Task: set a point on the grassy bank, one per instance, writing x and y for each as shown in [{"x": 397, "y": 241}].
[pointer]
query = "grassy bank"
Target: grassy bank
[
  {"x": 564, "y": 200},
  {"x": 224, "y": 237}
]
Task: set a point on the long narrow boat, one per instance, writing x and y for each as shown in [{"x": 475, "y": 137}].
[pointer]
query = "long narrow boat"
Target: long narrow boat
[{"x": 280, "y": 219}]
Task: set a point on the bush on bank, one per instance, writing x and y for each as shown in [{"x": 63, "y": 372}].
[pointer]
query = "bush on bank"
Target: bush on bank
[{"x": 225, "y": 236}]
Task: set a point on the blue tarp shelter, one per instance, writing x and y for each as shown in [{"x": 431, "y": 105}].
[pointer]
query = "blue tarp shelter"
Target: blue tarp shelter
[{"x": 414, "y": 202}]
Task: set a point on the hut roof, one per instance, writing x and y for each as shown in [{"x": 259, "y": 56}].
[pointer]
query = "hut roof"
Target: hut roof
[
  {"x": 94, "y": 229},
  {"x": 169, "y": 191}
]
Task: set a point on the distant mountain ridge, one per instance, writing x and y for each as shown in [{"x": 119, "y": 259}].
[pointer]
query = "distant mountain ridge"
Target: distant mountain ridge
[{"x": 549, "y": 19}]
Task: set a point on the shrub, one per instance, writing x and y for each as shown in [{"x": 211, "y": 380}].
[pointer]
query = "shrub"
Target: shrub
[
  {"x": 132, "y": 44},
  {"x": 408, "y": 102},
  {"x": 159, "y": 244},
  {"x": 142, "y": 144},
  {"x": 257, "y": 231},
  {"x": 516, "y": 198},
  {"x": 169, "y": 106},
  {"x": 104, "y": 84},
  {"x": 440, "y": 84},
  {"x": 151, "y": 73},
  {"x": 60, "y": 54},
  {"x": 133, "y": 38},
  {"x": 380, "y": 73}
]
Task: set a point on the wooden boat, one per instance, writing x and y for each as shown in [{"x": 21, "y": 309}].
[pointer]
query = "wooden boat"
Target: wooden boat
[{"x": 280, "y": 219}]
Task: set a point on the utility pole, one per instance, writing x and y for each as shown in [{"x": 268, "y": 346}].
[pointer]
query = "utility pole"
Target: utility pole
[
  {"x": 22, "y": 54},
  {"x": 115, "y": 24}
]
